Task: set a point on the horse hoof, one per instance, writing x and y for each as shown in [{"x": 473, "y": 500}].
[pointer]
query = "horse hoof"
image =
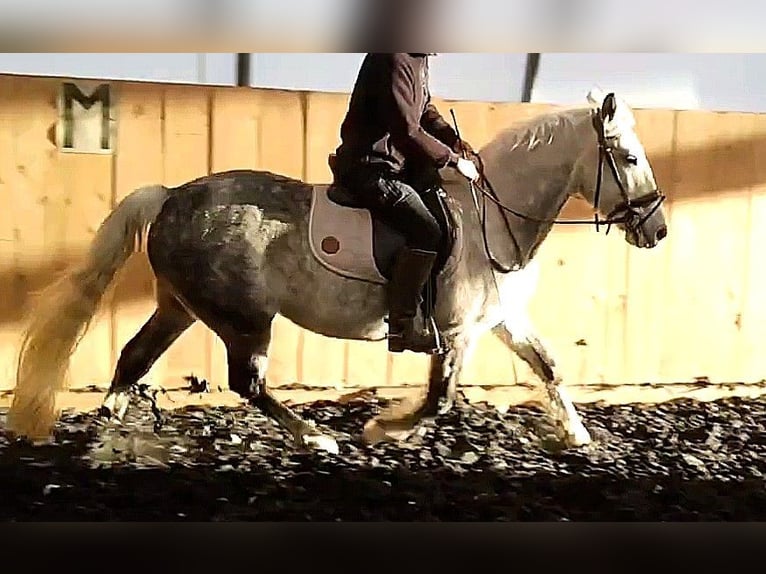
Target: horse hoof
[
  {"x": 375, "y": 433},
  {"x": 579, "y": 437},
  {"x": 115, "y": 406},
  {"x": 565, "y": 440},
  {"x": 320, "y": 442},
  {"x": 445, "y": 407},
  {"x": 104, "y": 414}
]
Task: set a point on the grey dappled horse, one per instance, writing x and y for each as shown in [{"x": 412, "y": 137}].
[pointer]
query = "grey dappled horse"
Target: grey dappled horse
[{"x": 235, "y": 249}]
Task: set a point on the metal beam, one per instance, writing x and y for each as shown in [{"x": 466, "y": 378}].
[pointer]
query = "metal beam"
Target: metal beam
[
  {"x": 530, "y": 75},
  {"x": 243, "y": 69}
]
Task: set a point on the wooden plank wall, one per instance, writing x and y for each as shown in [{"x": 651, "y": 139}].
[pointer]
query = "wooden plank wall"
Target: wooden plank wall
[{"x": 693, "y": 307}]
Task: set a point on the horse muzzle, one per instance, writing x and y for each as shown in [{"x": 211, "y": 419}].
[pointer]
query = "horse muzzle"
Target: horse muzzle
[{"x": 643, "y": 220}]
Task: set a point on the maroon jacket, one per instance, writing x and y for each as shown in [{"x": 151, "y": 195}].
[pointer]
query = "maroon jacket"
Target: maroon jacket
[{"x": 391, "y": 121}]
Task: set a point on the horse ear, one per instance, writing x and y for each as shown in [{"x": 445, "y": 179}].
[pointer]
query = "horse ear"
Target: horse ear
[
  {"x": 609, "y": 107},
  {"x": 596, "y": 96}
]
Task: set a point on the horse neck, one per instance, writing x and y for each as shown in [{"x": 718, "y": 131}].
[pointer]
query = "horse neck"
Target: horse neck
[{"x": 534, "y": 177}]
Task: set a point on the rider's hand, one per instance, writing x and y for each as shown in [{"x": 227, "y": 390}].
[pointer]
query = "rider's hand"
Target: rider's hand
[
  {"x": 462, "y": 146},
  {"x": 468, "y": 169}
]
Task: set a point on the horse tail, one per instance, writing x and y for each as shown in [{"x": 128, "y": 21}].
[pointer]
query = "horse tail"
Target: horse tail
[{"x": 66, "y": 308}]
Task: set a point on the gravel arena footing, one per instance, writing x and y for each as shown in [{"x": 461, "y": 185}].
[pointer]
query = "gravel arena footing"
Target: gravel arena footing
[{"x": 683, "y": 460}]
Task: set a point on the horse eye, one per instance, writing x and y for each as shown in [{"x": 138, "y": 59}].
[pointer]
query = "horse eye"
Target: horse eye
[{"x": 631, "y": 159}]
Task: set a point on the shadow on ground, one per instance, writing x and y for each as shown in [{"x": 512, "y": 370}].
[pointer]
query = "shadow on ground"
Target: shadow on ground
[{"x": 682, "y": 460}]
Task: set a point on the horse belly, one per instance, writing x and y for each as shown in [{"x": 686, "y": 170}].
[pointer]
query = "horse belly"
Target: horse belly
[{"x": 320, "y": 301}]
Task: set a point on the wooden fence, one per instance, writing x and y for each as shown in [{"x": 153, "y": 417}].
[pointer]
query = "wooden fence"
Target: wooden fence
[{"x": 693, "y": 307}]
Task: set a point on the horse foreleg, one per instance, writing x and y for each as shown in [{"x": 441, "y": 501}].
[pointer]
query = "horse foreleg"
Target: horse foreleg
[
  {"x": 167, "y": 323},
  {"x": 519, "y": 337},
  {"x": 402, "y": 420},
  {"x": 247, "y": 362}
]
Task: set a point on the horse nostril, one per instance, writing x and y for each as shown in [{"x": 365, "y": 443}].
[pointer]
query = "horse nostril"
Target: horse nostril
[{"x": 661, "y": 233}]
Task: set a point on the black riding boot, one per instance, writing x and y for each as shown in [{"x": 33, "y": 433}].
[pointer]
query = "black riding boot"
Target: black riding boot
[{"x": 411, "y": 271}]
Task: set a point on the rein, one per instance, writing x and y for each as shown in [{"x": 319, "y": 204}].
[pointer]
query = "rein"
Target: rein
[{"x": 626, "y": 212}]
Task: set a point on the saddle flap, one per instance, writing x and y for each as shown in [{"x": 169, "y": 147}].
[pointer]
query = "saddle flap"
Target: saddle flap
[
  {"x": 346, "y": 239},
  {"x": 342, "y": 238}
]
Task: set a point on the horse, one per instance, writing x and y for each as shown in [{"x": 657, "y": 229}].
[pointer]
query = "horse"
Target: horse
[{"x": 235, "y": 249}]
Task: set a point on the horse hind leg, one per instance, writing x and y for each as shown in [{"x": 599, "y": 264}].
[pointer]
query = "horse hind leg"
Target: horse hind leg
[
  {"x": 169, "y": 321},
  {"x": 400, "y": 421},
  {"x": 247, "y": 362}
]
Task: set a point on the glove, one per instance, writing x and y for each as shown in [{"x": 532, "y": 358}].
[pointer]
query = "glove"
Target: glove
[
  {"x": 463, "y": 146},
  {"x": 464, "y": 149},
  {"x": 468, "y": 169}
]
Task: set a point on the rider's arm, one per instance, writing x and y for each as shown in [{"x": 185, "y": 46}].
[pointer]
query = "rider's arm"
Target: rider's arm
[
  {"x": 404, "y": 117},
  {"x": 433, "y": 122}
]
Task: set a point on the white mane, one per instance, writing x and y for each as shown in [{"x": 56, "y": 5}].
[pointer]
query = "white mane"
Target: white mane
[
  {"x": 554, "y": 136},
  {"x": 529, "y": 134},
  {"x": 560, "y": 122},
  {"x": 554, "y": 132}
]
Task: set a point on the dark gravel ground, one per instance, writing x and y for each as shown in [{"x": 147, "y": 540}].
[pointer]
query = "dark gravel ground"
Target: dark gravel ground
[{"x": 683, "y": 460}]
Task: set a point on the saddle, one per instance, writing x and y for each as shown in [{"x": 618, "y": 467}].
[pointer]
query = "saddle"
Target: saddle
[{"x": 348, "y": 240}]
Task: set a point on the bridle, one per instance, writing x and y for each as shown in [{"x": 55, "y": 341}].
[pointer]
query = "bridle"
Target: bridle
[{"x": 633, "y": 212}]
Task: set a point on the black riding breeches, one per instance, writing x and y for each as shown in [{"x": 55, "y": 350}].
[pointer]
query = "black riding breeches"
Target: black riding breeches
[{"x": 398, "y": 205}]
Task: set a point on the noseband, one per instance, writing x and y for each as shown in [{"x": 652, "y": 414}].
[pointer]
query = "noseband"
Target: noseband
[{"x": 632, "y": 212}]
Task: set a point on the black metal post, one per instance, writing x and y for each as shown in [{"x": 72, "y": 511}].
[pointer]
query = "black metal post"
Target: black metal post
[
  {"x": 530, "y": 74},
  {"x": 243, "y": 69}
]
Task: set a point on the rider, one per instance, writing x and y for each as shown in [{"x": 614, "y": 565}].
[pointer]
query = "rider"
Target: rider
[{"x": 394, "y": 141}]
